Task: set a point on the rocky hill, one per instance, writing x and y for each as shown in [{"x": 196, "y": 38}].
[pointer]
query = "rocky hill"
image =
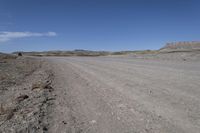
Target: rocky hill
[{"x": 182, "y": 46}]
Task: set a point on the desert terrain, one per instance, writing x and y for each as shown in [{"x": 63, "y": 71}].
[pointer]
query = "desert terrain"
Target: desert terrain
[
  {"x": 145, "y": 92},
  {"x": 25, "y": 94}
]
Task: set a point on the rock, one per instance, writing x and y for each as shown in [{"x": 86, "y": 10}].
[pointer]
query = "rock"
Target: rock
[
  {"x": 10, "y": 114},
  {"x": 2, "y": 110},
  {"x": 64, "y": 122},
  {"x": 45, "y": 129},
  {"x": 93, "y": 122},
  {"x": 22, "y": 98}
]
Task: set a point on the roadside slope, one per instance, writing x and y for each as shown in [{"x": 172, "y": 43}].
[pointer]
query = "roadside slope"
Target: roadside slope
[{"x": 25, "y": 95}]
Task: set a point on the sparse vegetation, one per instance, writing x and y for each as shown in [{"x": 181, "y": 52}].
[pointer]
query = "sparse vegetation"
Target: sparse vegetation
[
  {"x": 86, "y": 53},
  {"x": 21, "y": 108},
  {"x": 41, "y": 85},
  {"x": 13, "y": 70}
]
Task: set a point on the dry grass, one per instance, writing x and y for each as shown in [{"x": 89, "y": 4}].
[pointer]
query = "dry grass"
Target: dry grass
[
  {"x": 41, "y": 85},
  {"x": 2, "y": 110},
  {"x": 7, "y": 112},
  {"x": 135, "y": 52},
  {"x": 7, "y": 56},
  {"x": 13, "y": 71},
  {"x": 38, "y": 85}
]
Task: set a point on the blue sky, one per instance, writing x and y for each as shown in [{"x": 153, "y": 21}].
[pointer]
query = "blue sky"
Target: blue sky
[{"x": 39, "y": 25}]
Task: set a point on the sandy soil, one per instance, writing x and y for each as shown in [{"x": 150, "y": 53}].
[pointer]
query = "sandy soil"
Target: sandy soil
[{"x": 125, "y": 95}]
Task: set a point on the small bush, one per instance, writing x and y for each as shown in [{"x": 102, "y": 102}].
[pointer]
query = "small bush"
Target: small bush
[{"x": 19, "y": 54}]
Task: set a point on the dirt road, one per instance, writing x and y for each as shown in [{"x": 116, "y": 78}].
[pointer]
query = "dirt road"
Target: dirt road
[{"x": 125, "y": 95}]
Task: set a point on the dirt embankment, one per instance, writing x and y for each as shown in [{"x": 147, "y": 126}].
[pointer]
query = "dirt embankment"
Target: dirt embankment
[{"x": 25, "y": 94}]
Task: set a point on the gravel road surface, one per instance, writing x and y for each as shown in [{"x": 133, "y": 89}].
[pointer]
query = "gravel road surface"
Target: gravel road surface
[{"x": 125, "y": 95}]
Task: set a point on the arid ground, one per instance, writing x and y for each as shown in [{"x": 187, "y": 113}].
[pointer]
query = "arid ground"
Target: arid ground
[
  {"x": 126, "y": 95},
  {"x": 111, "y": 94}
]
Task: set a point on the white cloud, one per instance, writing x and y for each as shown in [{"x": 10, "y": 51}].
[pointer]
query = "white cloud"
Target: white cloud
[{"x": 6, "y": 36}]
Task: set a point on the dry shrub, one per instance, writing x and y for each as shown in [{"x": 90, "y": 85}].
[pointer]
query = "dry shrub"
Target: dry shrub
[
  {"x": 7, "y": 56},
  {"x": 41, "y": 85},
  {"x": 38, "y": 85}
]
